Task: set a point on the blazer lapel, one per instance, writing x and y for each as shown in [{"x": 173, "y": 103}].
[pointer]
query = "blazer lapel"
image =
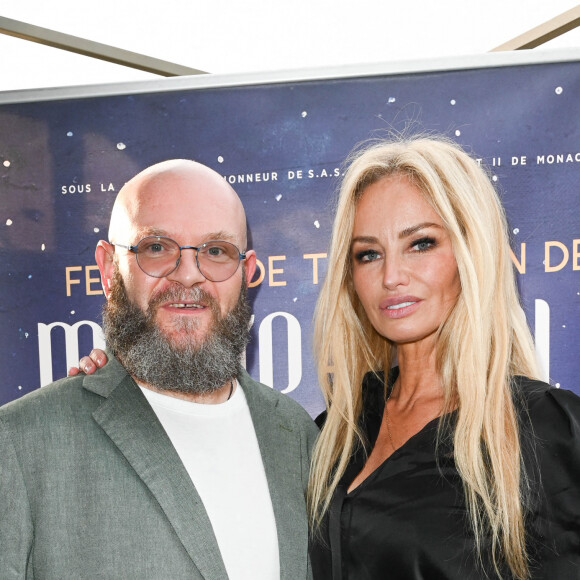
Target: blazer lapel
[
  {"x": 280, "y": 448},
  {"x": 127, "y": 418}
]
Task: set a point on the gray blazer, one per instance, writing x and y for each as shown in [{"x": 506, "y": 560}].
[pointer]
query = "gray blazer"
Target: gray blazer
[{"x": 91, "y": 486}]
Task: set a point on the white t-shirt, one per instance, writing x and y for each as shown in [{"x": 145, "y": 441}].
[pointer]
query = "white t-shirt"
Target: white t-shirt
[{"x": 219, "y": 449}]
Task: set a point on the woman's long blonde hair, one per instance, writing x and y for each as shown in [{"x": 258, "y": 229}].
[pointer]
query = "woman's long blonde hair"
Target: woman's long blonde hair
[{"x": 484, "y": 342}]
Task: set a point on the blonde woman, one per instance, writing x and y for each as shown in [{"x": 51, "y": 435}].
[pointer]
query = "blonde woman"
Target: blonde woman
[{"x": 441, "y": 454}]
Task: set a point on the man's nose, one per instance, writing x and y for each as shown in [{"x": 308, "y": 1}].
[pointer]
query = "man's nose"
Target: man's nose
[{"x": 187, "y": 272}]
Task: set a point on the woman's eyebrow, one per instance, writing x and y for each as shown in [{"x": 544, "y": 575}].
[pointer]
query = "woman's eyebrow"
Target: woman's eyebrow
[
  {"x": 403, "y": 234},
  {"x": 414, "y": 229},
  {"x": 364, "y": 240}
]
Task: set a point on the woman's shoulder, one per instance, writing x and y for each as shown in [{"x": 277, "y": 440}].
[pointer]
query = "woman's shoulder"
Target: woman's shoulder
[
  {"x": 550, "y": 426},
  {"x": 553, "y": 466},
  {"x": 548, "y": 407}
]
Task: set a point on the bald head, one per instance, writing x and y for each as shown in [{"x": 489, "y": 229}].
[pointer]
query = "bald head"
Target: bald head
[{"x": 178, "y": 197}]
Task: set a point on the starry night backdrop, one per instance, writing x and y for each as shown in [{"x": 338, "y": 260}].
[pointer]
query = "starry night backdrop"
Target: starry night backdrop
[{"x": 281, "y": 145}]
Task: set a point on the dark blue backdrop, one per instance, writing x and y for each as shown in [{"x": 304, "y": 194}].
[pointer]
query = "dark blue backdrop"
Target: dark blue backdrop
[{"x": 281, "y": 145}]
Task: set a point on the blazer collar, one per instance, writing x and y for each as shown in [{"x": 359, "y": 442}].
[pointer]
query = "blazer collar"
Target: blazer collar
[
  {"x": 131, "y": 424},
  {"x": 280, "y": 442}
]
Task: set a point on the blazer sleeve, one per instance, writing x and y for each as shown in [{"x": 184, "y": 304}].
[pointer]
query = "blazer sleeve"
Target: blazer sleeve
[
  {"x": 16, "y": 530},
  {"x": 312, "y": 431}
]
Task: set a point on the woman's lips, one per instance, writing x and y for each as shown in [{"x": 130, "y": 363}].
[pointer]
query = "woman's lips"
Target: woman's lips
[{"x": 399, "y": 306}]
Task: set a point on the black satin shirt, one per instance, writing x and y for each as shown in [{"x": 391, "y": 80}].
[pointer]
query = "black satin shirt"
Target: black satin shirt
[{"x": 408, "y": 519}]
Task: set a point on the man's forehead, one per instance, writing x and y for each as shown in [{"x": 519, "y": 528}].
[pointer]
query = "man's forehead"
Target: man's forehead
[{"x": 183, "y": 200}]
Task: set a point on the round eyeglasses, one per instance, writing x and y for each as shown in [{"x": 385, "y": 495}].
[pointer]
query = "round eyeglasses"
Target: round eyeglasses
[{"x": 158, "y": 256}]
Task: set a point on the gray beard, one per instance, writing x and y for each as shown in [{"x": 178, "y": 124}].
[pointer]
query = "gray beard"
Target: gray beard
[{"x": 192, "y": 365}]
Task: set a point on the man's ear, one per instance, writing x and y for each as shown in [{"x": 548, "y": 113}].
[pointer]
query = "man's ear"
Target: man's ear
[
  {"x": 104, "y": 254},
  {"x": 250, "y": 264}
]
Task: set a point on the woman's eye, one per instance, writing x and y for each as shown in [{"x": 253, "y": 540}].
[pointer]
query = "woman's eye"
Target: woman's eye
[
  {"x": 423, "y": 244},
  {"x": 366, "y": 256}
]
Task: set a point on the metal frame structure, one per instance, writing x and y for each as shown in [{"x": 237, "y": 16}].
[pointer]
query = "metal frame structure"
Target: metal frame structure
[
  {"x": 93, "y": 49},
  {"x": 206, "y": 81},
  {"x": 535, "y": 37},
  {"x": 544, "y": 32}
]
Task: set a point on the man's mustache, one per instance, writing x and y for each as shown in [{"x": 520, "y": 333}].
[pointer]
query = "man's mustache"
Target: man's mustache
[{"x": 180, "y": 294}]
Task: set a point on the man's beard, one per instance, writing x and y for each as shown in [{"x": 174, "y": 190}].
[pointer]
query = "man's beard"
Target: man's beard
[{"x": 191, "y": 365}]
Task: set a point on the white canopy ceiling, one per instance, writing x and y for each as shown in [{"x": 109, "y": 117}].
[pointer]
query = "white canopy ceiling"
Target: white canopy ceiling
[{"x": 226, "y": 36}]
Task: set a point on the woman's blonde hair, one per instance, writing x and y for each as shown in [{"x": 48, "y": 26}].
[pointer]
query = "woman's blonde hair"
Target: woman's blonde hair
[{"x": 484, "y": 342}]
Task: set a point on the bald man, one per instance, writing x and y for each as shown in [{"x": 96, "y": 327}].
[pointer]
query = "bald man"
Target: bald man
[{"x": 169, "y": 462}]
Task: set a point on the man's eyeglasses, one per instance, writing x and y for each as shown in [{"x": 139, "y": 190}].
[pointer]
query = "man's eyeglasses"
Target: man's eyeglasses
[{"x": 158, "y": 256}]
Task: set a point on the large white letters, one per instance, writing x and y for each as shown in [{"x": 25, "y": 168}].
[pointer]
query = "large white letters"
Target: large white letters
[
  {"x": 542, "y": 337},
  {"x": 294, "y": 351},
  {"x": 71, "y": 342},
  {"x": 265, "y": 346}
]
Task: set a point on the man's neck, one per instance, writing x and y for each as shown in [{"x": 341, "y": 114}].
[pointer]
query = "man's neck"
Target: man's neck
[{"x": 219, "y": 395}]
